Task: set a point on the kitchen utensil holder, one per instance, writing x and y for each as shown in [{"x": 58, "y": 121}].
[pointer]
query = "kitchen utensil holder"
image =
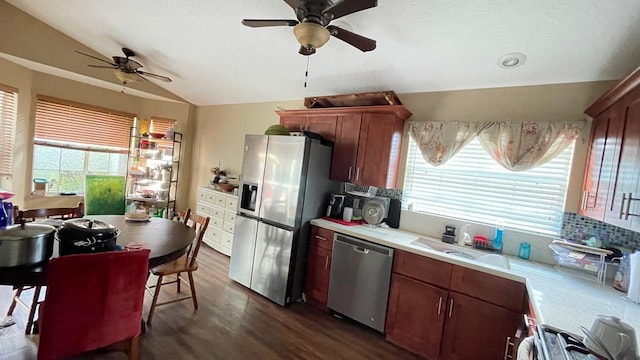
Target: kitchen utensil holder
[{"x": 487, "y": 245}]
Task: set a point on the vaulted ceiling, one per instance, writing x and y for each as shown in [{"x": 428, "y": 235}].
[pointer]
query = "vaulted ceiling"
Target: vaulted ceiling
[{"x": 422, "y": 45}]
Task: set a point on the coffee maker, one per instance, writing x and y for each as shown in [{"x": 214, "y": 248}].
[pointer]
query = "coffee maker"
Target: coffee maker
[{"x": 336, "y": 205}]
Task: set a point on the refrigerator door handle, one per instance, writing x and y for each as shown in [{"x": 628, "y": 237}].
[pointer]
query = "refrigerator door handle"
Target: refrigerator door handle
[{"x": 276, "y": 224}]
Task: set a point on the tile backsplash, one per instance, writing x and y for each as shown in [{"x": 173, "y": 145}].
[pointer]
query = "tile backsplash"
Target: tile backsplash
[{"x": 576, "y": 227}]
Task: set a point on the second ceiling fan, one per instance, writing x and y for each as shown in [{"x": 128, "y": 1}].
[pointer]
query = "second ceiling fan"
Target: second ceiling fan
[{"x": 312, "y": 28}]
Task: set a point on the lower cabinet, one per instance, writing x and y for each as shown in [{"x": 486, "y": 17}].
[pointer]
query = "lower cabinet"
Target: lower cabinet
[
  {"x": 316, "y": 288},
  {"x": 415, "y": 316},
  {"x": 221, "y": 208},
  {"x": 469, "y": 317}
]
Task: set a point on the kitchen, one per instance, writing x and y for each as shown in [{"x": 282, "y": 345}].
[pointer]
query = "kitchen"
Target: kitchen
[{"x": 218, "y": 131}]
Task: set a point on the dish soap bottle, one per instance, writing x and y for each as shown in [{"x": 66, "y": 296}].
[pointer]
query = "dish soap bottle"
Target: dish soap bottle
[
  {"x": 463, "y": 236},
  {"x": 497, "y": 241}
]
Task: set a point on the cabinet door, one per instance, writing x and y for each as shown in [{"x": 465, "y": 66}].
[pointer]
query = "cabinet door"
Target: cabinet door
[
  {"x": 379, "y": 150},
  {"x": 624, "y": 177},
  {"x": 317, "y": 281},
  {"x": 632, "y": 166},
  {"x": 323, "y": 125},
  {"x": 345, "y": 150},
  {"x": 415, "y": 316},
  {"x": 475, "y": 329},
  {"x": 294, "y": 123},
  {"x": 593, "y": 205}
]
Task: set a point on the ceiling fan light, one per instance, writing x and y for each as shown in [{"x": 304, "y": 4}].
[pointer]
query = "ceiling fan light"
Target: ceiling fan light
[
  {"x": 125, "y": 77},
  {"x": 311, "y": 34}
]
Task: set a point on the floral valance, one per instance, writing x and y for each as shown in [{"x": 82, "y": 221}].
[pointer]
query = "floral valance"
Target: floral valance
[{"x": 517, "y": 146}]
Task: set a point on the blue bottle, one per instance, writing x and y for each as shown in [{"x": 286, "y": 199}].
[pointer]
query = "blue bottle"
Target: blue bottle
[
  {"x": 4, "y": 219},
  {"x": 497, "y": 241}
]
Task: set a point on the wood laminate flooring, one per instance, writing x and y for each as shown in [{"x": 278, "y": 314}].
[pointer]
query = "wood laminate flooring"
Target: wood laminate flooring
[{"x": 232, "y": 322}]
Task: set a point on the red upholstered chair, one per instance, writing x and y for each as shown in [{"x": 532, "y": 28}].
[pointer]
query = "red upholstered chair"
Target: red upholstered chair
[{"x": 93, "y": 300}]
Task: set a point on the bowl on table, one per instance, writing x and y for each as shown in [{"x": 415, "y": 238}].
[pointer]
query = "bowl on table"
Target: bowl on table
[{"x": 226, "y": 187}]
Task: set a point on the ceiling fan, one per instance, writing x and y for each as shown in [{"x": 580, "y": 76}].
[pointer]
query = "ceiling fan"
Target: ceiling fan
[
  {"x": 312, "y": 28},
  {"x": 125, "y": 69}
]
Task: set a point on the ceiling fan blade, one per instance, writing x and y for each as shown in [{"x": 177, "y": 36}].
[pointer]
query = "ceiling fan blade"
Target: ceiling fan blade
[
  {"x": 97, "y": 58},
  {"x": 359, "y": 41},
  {"x": 264, "y": 22},
  {"x": 306, "y": 51},
  {"x": 293, "y": 3},
  {"x": 104, "y": 66},
  {"x": 346, "y": 7},
  {"x": 154, "y": 76}
]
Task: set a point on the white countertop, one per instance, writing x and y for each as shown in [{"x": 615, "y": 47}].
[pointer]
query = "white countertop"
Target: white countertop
[{"x": 559, "y": 299}]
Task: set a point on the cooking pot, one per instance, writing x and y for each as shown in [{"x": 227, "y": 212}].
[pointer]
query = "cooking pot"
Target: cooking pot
[
  {"x": 25, "y": 244},
  {"x": 618, "y": 337},
  {"x": 81, "y": 236}
]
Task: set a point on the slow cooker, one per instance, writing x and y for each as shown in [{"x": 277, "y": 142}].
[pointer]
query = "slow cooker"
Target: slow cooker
[{"x": 82, "y": 236}]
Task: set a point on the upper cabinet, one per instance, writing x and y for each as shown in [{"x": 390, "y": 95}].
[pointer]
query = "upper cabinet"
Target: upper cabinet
[
  {"x": 611, "y": 191},
  {"x": 367, "y": 140}
]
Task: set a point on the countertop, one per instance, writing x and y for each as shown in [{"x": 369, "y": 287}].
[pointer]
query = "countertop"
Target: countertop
[{"x": 559, "y": 299}]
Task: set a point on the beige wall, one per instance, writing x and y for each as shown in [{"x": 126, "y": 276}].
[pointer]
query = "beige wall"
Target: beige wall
[
  {"x": 220, "y": 129},
  {"x": 30, "y": 84}
]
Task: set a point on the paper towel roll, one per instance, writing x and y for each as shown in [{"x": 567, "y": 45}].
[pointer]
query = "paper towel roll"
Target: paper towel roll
[{"x": 634, "y": 277}]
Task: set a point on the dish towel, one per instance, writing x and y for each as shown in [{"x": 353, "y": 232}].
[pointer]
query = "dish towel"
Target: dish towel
[
  {"x": 525, "y": 349},
  {"x": 634, "y": 277}
]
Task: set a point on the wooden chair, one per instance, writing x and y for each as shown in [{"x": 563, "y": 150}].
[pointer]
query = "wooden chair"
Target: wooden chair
[
  {"x": 32, "y": 215},
  {"x": 93, "y": 308},
  {"x": 185, "y": 264}
]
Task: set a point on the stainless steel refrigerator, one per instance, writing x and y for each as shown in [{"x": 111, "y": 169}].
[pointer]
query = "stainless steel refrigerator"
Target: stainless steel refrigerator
[{"x": 284, "y": 184}]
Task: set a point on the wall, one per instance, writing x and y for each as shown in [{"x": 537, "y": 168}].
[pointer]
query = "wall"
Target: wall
[{"x": 30, "y": 84}]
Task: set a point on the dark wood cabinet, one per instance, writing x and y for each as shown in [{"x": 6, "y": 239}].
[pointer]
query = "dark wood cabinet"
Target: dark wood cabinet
[
  {"x": 415, "y": 316},
  {"x": 475, "y": 329},
  {"x": 610, "y": 187},
  {"x": 316, "y": 286},
  {"x": 467, "y": 314},
  {"x": 367, "y": 140}
]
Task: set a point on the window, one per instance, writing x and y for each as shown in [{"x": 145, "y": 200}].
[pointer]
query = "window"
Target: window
[
  {"x": 473, "y": 187},
  {"x": 8, "y": 114},
  {"x": 73, "y": 140}
]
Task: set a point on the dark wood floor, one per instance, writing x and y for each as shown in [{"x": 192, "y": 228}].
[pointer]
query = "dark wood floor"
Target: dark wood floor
[{"x": 231, "y": 323}]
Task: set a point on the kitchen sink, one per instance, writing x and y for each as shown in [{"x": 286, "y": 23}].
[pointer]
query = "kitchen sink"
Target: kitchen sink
[{"x": 469, "y": 254}]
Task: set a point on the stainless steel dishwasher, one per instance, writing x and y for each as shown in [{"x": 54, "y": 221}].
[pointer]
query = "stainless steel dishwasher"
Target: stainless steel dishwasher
[{"x": 359, "y": 281}]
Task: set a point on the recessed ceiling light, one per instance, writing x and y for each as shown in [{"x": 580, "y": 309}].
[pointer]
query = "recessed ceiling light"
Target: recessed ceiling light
[{"x": 512, "y": 60}]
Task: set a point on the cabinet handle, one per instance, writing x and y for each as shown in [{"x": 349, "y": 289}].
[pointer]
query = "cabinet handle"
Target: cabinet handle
[
  {"x": 506, "y": 348},
  {"x": 326, "y": 263},
  {"x": 585, "y": 197},
  {"x": 349, "y": 177},
  {"x": 624, "y": 198},
  {"x": 439, "y": 305},
  {"x": 450, "y": 306},
  {"x": 358, "y": 173},
  {"x": 321, "y": 238}
]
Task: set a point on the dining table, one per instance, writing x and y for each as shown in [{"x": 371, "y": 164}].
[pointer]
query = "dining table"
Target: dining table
[{"x": 167, "y": 240}]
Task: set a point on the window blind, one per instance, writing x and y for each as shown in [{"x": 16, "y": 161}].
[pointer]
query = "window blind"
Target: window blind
[
  {"x": 160, "y": 125},
  {"x": 69, "y": 124},
  {"x": 8, "y": 114},
  {"x": 472, "y": 186}
]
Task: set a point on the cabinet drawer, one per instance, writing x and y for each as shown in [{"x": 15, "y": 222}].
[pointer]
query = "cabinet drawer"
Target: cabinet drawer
[
  {"x": 490, "y": 288},
  {"x": 211, "y": 197},
  {"x": 219, "y": 200},
  {"x": 202, "y": 195},
  {"x": 214, "y": 235},
  {"x": 202, "y": 209},
  {"x": 229, "y": 216},
  {"x": 321, "y": 237},
  {"x": 422, "y": 268},
  {"x": 216, "y": 212},
  {"x": 231, "y": 203},
  {"x": 226, "y": 240},
  {"x": 228, "y": 226},
  {"x": 215, "y": 222}
]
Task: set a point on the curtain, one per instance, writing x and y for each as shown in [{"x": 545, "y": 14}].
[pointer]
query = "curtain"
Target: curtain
[
  {"x": 520, "y": 146},
  {"x": 517, "y": 146},
  {"x": 440, "y": 141}
]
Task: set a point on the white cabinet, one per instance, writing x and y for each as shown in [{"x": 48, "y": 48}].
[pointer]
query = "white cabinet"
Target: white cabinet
[{"x": 221, "y": 208}]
